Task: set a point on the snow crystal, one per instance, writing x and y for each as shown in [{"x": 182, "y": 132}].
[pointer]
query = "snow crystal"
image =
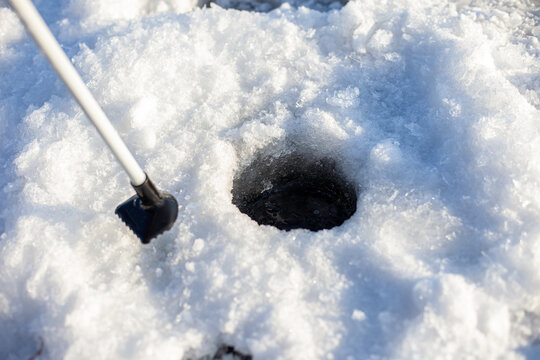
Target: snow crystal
[
  {"x": 430, "y": 108},
  {"x": 11, "y": 30},
  {"x": 358, "y": 315}
]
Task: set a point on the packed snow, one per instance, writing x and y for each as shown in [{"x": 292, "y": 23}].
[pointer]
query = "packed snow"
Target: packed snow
[{"x": 432, "y": 108}]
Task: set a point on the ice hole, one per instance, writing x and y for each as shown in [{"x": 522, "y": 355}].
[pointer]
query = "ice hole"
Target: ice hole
[
  {"x": 227, "y": 352},
  {"x": 294, "y": 191},
  {"x": 269, "y": 5}
]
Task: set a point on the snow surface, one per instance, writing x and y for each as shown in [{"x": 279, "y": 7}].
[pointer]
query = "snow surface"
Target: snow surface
[{"x": 432, "y": 107}]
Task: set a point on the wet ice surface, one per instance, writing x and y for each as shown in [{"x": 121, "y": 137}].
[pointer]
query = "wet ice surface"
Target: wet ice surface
[{"x": 431, "y": 108}]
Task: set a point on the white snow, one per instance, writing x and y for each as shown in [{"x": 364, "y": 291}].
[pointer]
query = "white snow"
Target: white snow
[{"x": 431, "y": 107}]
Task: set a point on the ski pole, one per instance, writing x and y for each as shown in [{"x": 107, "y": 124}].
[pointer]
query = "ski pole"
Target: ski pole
[{"x": 151, "y": 211}]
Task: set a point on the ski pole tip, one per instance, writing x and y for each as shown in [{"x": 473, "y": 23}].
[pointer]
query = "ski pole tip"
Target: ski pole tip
[{"x": 149, "y": 213}]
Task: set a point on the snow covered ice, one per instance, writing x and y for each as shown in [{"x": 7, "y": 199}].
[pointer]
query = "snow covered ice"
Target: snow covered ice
[{"x": 431, "y": 108}]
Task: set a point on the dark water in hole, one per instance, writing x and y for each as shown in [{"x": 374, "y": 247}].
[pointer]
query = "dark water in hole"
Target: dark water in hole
[
  {"x": 294, "y": 191},
  {"x": 227, "y": 352},
  {"x": 269, "y": 5}
]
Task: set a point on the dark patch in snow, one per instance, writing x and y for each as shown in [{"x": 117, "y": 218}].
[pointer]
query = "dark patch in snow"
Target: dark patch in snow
[
  {"x": 226, "y": 352},
  {"x": 229, "y": 352},
  {"x": 269, "y": 5},
  {"x": 294, "y": 191}
]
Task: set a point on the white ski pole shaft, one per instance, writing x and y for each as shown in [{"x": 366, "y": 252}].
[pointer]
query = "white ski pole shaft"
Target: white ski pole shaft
[{"x": 51, "y": 49}]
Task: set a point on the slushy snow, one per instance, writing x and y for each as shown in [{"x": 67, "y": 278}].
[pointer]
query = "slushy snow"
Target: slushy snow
[{"x": 431, "y": 108}]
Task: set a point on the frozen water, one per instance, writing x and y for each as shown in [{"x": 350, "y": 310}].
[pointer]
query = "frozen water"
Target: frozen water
[{"x": 432, "y": 108}]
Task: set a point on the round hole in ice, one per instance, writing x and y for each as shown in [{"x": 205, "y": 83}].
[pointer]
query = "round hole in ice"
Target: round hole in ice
[
  {"x": 269, "y": 5},
  {"x": 294, "y": 191}
]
